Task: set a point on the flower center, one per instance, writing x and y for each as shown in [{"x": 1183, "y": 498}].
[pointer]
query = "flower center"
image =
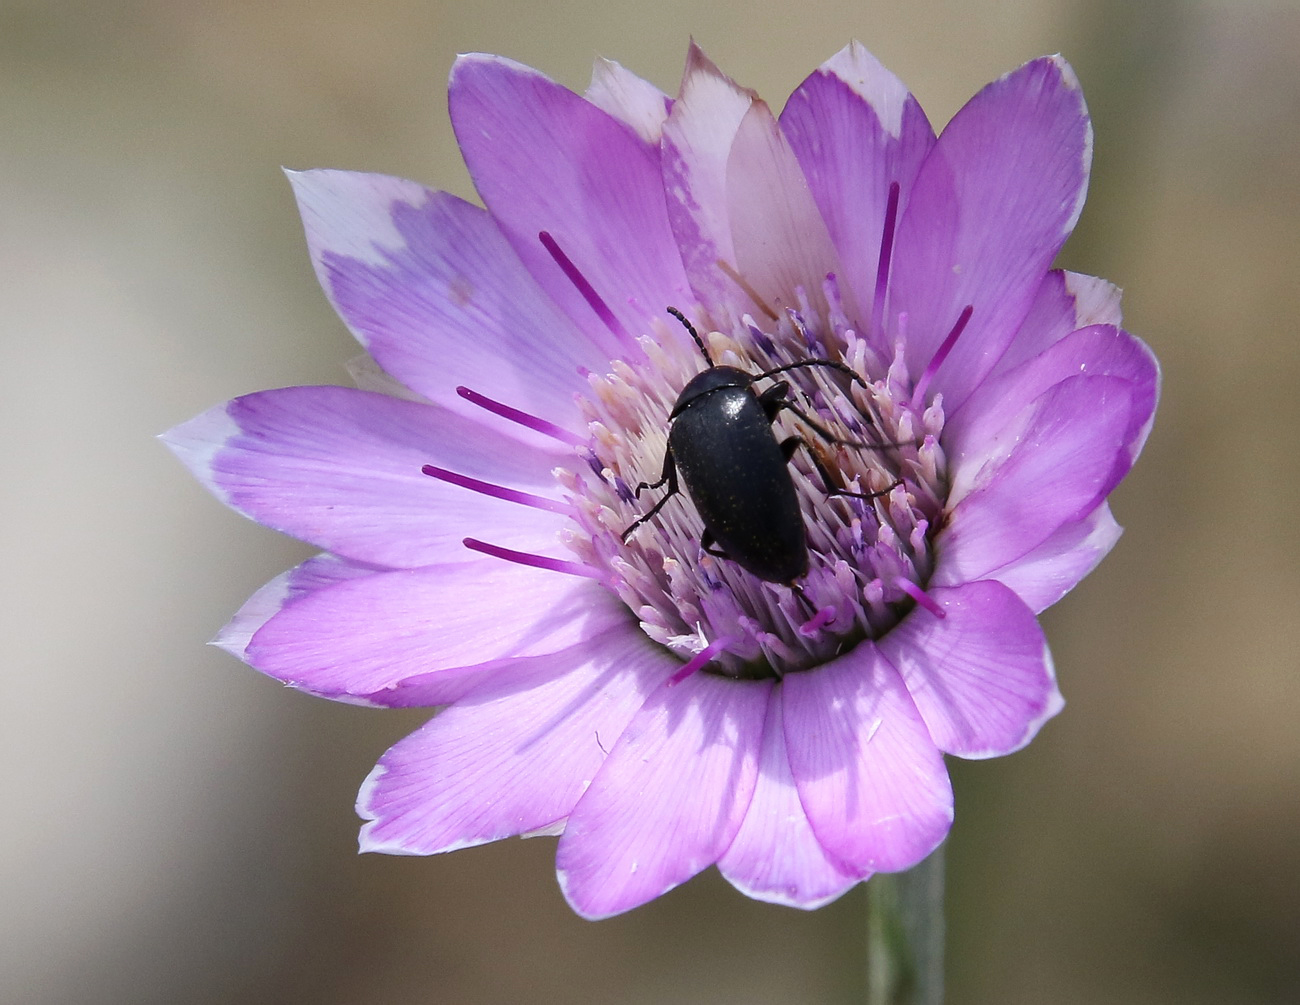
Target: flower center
[{"x": 870, "y": 486}]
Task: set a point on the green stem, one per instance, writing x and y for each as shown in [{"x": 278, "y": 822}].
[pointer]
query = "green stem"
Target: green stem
[{"x": 905, "y": 935}]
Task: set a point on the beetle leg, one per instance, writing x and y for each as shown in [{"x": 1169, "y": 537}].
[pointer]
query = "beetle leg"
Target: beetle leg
[
  {"x": 819, "y": 429},
  {"x": 830, "y": 437},
  {"x": 668, "y": 473},
  {"x": 789, "y": 446},
  {"x": 669, "y": 476},
  {"x": 774, "y": 399},
  {"x": 831, "y": 490}
]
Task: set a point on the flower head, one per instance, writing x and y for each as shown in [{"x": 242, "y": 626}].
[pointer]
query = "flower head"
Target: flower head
[{"x": 642, "y": 671}]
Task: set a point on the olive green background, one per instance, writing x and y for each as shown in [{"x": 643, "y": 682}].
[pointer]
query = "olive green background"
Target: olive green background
[{"x": 178, "y": 828}]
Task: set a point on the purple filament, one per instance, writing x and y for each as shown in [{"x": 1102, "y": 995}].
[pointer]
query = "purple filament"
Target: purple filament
[
  {"x": 536, "y": 561},
  {"x": 522, "y": 418},
  {"x": 497, "y": 491},
  {"x": 698, "y": 661},
  {"x": 886, "y": 254},
  {"x": 922, "y": 385},
  {"x": 920, "y": 596},
  {"x": 820, "y": 620},
  {"x": 575, "y": 276}
]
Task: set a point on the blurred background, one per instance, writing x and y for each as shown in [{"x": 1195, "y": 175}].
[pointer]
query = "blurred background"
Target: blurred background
[{"x": 178, "y": 828}]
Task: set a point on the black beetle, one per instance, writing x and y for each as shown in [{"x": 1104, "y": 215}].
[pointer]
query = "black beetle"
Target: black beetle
[{"x": 736, "y": 471}]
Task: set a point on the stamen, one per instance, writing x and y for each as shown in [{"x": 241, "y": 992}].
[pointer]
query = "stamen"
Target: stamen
[
  {"x": 920, "y": 596},
  {"x": 922, "y": 385},
  {"x": 809, "y": 340},
  {"x": 536, "y": 561},
  {"x": 870, "y": 556},
  {"x": 589, "y": 294},
  {"x": 699, "y": 660},
  {"x": 743, "y": 283},
  {"x": 498, "y": 491},
  {"x": 760, "y": 337},
  {"x": 522, "y": 418},
  {"x": 598, "y": 469},
  {"x": 820, "y": 620},
  {"x": 886, "y": 254},
  {"x": 835, "y": 302}
]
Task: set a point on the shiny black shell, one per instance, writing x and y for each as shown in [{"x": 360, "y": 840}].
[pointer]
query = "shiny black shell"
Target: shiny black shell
[{"x": 737, "y": 475}]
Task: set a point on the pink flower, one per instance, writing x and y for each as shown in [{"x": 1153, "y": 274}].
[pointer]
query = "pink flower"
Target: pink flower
[{"x": 648, "y": 700}]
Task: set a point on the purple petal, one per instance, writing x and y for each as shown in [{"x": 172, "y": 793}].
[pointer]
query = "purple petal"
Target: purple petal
[
  {"x": 780, "y": 239},
  {"x": 341, "y": 468},
  {"x": 367, "y": 375},
  {"x": 1065, "y": 302},
  {"x": 368, "y": 636},
  {"x": 1050, "y": 571},
  {"x": 776, "y": 856},
  {"x": 1048, "y": 466},
  {"x": 313, "y": 576},
  {"x": 981, "y": 676},
  {"x": 697, "y": 139},
  {"x": 628, "y": 98},
  {"x": 993, "y": 203},
  {"x": 545, "y": 159},
  {"x": 871, "y": 780},
  {"x": 434, "y": 292},
  {"x": 669, "y": 800},
  {"x": 855, "y": 130},
  {"x": 316, "y": 573},
  {"x": 515, "y": 754},
  {"x": 1098, "y": 350},
  {"x": 1096, "y": 301}
]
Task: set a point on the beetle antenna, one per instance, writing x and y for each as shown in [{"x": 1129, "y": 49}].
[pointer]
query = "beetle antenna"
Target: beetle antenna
[
  {"x": 694, "y": 334},
  {"x": 843, "y": 368}
]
